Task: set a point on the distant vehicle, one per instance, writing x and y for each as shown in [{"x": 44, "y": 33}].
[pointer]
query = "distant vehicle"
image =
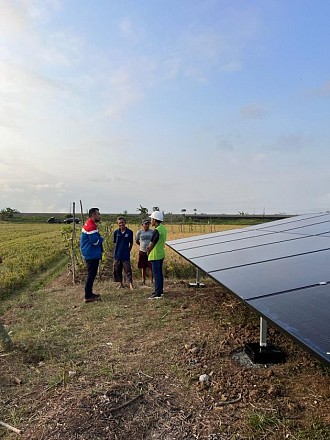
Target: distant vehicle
[
  {"x": 54, "y": 220},
  {"x": 70, "y": 220}
]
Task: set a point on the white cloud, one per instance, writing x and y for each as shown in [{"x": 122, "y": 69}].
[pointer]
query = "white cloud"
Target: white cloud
[
  {"x": 233, "y": 66},
  {"x": 61, "y": 49},
  {"x": 42, "y": 10},
  {"x": 224, "y": 144},
  {"x": 321, "y": 91},
  {"x": 170, "y": 67},
  {"x": 293, "y": 142},
  {"x": 219, "y": 46},
  {"x": 48, "y": 186},
  {"x": 14, "y": 18},
  {"x": 128, "y": 85},
  {"x": 252, "y": 111},
  {"x": 205, "y": 44},
  {"x": 132, "y": 31},
  {"x": 20, "y": 80}
]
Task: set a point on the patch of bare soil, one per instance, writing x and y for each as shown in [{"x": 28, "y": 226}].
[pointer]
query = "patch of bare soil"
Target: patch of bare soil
[{"x": 169, "y": 369}]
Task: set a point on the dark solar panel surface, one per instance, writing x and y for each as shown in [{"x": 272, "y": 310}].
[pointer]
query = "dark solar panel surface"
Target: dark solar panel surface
[
  {"x": 281, "y": 269},
  {"x": 276, "y": 276},
  {"x": 258, "y": 249},
  {"x": 302, "y": 314}
]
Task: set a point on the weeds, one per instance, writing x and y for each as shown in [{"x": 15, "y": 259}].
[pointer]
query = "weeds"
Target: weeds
[
  {"x": 317, "y": 431},
  {"x": 74, "y": 362},
  {"x": 261, "y": 422}
]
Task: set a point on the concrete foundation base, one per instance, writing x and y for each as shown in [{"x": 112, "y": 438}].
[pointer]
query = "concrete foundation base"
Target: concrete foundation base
[{"x": 264, "y": 355}]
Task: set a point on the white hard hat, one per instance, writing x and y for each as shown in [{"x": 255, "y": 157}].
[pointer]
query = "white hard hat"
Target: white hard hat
[{"x": 157, "y": 215}]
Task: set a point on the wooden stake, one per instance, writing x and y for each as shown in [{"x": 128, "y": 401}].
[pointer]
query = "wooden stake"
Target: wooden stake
[
  {"x": 72, "y": 243},
  {"x": 5, "y": 425},
  {"x": 82, "y": 213},
  {"x": 74, "y": 219}
]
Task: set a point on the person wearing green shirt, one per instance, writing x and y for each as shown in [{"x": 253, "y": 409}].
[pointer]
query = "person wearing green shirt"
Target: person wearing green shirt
[{"x": 156, "y": 253}]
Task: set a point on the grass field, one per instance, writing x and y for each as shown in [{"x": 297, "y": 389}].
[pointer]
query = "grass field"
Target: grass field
[
  {"x": 27, "y": 250},
  {"x": 129, "y": 368}
]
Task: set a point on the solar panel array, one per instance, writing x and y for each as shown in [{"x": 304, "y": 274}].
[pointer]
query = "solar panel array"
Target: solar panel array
[{"x": 281, "y": 269}]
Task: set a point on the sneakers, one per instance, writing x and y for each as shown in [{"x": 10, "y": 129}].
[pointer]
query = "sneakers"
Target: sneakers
[
  {"x": 155, "y": 296},
  {"x": 93, "y": 298}
]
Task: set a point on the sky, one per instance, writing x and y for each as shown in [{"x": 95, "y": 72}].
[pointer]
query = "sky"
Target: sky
[{"x": 218, "y": 106}]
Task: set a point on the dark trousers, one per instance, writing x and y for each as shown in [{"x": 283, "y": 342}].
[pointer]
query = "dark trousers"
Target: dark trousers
[
  {"x": 157, "y": 270},
  {"x": 92, "y": 267},
  {"x": 118, "y": 266}
]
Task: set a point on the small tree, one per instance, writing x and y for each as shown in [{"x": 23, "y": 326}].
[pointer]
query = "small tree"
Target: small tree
[
  {"x": 195, "y": 211},
  {"x": 183, "y": 211},
  {"x": 7, "y": 213},
  {"x": 143, "y": 211}
]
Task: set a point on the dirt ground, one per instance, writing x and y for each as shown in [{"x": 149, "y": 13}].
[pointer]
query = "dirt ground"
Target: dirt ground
[{"x": 170, "y": 369}]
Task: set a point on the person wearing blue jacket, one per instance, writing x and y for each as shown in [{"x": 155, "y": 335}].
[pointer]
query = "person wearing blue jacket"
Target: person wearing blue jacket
[{"x": 91, "y": 249}]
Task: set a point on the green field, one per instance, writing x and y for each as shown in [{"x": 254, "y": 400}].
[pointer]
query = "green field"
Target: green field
[{"x": 28, "y": 250}]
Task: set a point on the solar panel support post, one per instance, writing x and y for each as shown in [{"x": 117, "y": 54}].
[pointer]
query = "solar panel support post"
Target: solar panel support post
[
  {"x": 263, "y": 332},
  {"x": 263, "y": 353},
  {"x": 197, "y": 283}
]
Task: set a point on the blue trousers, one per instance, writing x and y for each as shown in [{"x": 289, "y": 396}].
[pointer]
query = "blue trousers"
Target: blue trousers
[
  {"x": 157, "y": 270},
  {"x": 92, "y": 267}
]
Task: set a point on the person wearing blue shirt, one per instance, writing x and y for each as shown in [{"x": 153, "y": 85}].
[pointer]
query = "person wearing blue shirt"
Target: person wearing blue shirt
[{"x": 123, "y": 239}]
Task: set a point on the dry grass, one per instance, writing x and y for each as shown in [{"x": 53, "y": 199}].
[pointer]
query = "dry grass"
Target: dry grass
[{"x": 128, "y": 368}]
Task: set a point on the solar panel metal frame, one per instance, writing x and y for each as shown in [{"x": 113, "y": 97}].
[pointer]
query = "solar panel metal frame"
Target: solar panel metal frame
[{"x": 295, "y": 269}]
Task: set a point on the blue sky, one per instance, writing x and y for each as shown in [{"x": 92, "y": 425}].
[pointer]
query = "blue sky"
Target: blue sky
[{"x": 219, "y": 106}]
